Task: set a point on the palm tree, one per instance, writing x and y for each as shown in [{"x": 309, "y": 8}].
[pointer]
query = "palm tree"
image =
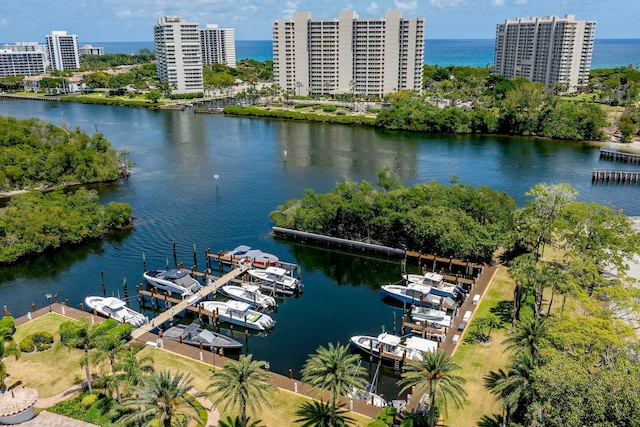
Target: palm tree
[
  {"x": 134, "y": 367},
  {"x": 336, "y": 370},
  {"x": 433, "y": 374},
  {"x": 7, "y": 348},
  {"x": 164, "y": 397},
  {"x": 531, "y": 335},
  {"x": 241, "y": 385},
  {"x": 76, "y": 335},
  {"x": 318, "y": 414},
  {"x": 513, "y": 386},
  {"x": 237, "y": 422}
]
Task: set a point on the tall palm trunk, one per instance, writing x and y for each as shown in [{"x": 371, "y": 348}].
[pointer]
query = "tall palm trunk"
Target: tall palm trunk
[
  {"x": 432, "y": 403},
  {"x": 86, "y": 366},
  {"x": 112, "y": 359},
  {"x": 244, "y": 415}
]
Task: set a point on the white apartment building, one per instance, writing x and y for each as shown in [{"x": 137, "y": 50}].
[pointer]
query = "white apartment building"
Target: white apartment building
[
  {"x": 21, "y": 63},
  {"x": 348, "y": 54},
  {"x": 178, "y": 54},
  {"x": 546, "y": 50},
  {"x": 62, "y": 51},
  {"x": 218, "y": 45}
]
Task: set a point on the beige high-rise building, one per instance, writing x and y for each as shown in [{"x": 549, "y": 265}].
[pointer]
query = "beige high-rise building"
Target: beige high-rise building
[
  {"x": 546, "y": 50},
  {"x": 178, "y": 54},
  {"x": 348, "y": 54},
  {"x": 218, "y": 45}
]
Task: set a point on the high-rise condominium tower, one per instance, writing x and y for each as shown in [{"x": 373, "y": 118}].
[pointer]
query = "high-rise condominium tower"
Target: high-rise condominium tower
[
  {"x": 62, "y": 50},
  {"x": 178, "y": 54},
  {"x": 548, "y": 50},
  {"x": 218, "y": 45},
  {"x": 348, "y": 54}
]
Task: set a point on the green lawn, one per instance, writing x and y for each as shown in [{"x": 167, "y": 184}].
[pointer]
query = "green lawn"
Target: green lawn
[
  {"x": 477, "y": 360},
  {"x": 50, "y": 372}
]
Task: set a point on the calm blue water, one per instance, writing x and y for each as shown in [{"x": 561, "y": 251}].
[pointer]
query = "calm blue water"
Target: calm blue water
[{"x": 607, "y": 53}]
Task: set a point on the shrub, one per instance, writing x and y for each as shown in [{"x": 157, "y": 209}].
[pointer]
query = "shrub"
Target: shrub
[
  {"x": 42, "y": 338},
  {"x": 89, "y": 399},
  {"x": 329, "y": 108},
  {"x": 341, "y": 113},
  {"x": 27, "y": 345},
  {"x": 8, "y": 323}
]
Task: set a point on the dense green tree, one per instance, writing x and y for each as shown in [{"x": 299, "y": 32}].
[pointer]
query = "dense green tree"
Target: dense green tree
[
  {"x": 434, "y": 376},
  {"x": 133, "y": 366},
  {"x": 241, "y": 385},
  {"x": 530, "y": 336},
  {"x": 153, "y": 95},
  {"x": 335, "y": 370},
  {"x": 163, "y": 398},
  {"x": 320, "y": 414},
  {"x": 7, "y": 348}
]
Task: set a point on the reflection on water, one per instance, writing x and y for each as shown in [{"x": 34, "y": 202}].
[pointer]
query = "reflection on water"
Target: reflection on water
[{"x": 175, "y": 198}]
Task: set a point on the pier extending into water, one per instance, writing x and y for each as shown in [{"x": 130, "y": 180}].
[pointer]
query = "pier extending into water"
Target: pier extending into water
[
  {"x": 619, "y": 156},
  {"x": 616, "y": 176}
]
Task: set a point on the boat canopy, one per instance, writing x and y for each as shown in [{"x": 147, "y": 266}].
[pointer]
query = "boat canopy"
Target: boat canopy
[
  {"x": 251, "y": 288},
  {"x": 421, "y": 344},
  {"x": 388, "y": 339},
  {"x": 114, "y": 303},
  {"x": 258, "y": 255},
  {"x": 277, "y": 271},
  {"x": 240, "y": 250},
  {"x": 418, "y": 287},
  {"x": 174, "y": 274},
  {"x": 238, "y": 305},
  {"x": 433, "y": 277},
  {"x": 205, "y": 336}
]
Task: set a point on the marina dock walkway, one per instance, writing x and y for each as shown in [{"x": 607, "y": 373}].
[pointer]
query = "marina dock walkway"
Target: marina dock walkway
[{"x": 182, "y": 305}]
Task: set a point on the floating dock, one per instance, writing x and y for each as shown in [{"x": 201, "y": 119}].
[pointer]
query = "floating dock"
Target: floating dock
[
  {"x": 616, "y": 176},
  {"x": 618, "y": 156}
]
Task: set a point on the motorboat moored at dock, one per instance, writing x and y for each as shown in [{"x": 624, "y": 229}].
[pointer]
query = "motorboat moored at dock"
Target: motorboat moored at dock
[
  {"x": 431, "y": 316},
  {"x": 115, "y": 308},
  {"x": 244, "y": 253},
  {"x": 438, "y": 286},
  {"x": 239, "y": 313},
  {"x": 174, "y": 280},
  {"x": 250, "y": 294},
  {"x": 411, "y": 293},
  {"x": 195, "y": 334},
  {"x": 393, "y": 348},
  {"x": 276, "y": 278}
]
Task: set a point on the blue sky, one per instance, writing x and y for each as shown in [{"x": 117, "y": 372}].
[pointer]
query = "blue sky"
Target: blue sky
[{"x": 133, "y": 20}]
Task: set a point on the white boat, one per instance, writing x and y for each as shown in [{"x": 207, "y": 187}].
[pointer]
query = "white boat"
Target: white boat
[
  {"x": 244, "y": 253},
  {"x": 250, "y": 294},
  {"x": 174, "y": 280},
  {"x": 239, "y": 313},
  {"x": 368, "y": 394},
  {"x": 116, "y": 309},
  {"x": 391, "y": 347},
  {"x": 276, "y": 277},
  {"x": 438, "y": 286},
  {"x": 411, "y": 293},
  {"x": 431, "y": 316}
]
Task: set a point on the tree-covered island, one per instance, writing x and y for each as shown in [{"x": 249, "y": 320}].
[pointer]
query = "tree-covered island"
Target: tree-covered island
[
  {"x": 35, "y": 155},
  {"x": 456, "y": 220}
]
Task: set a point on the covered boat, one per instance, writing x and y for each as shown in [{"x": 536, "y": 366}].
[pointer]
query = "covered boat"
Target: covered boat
[
  {"x": 391, "y": 347},
  {"x": 244, "y": 253},
  {"x": 250, "y": 294},
  {"x": 195, "y": 334},
  {"x": 239, "y": 313},
  {"x": 411, "y": 293},
  {"x": 431, "y": 316},
  {"x": 174, "y": 280},
  {"x": 115, "y": 308},
  {"x": 276, "y": 278}
]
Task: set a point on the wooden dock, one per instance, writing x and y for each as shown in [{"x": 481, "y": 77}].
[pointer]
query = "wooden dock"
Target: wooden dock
[
  {"x": 616, "y": 176},
  {"x": 618, "y": 156},
  {"x": 187, "y": 304}
]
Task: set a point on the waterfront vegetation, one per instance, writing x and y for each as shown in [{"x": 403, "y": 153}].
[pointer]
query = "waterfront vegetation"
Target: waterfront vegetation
[
  {"x": 35, "y": 222},
  {"x": 456, "y": 220},
  {"x": 36, "y": 154}
]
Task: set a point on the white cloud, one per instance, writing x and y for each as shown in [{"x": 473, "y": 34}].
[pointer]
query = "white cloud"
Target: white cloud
[
  {"x": 372, "y": 8},
  {"x": 409, "y": 5},
  {"x": 126, "y": 13},
  {"x": 497, "y": 2},
  {"x": 4, "y": 23},
  {"x": 290, "y": 8},
  {"x": 447, "y": 3},
  {"x": 521, "y": 2}
]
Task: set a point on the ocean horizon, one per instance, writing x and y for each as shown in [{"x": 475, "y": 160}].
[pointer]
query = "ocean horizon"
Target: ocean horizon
[{"x": 607, "y": 53}]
